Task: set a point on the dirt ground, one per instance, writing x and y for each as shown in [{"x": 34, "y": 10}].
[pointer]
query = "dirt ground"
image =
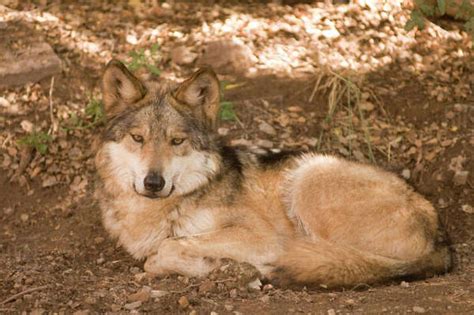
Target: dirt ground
[{"x": 414, "y": 116}]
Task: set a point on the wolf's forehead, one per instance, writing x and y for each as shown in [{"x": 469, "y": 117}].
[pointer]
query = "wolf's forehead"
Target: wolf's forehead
[{"x": 159, "y": 116}]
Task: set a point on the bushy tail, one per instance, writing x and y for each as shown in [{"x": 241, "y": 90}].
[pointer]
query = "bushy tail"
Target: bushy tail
[{"x": 332, "y": 265}]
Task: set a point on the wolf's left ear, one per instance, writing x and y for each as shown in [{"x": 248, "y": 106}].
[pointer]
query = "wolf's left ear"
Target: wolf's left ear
[
  {"x": 201, "y": 95},
  {"x": 120, "y": 88}
]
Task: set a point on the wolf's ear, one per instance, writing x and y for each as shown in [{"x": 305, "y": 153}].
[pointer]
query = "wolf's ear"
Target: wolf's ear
[
  {"x": 120, "y": 88},
  {"x": 201, "y": 95}
]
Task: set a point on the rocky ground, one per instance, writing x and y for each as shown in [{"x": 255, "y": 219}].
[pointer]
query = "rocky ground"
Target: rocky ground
[{"x": 344, "y": 79}]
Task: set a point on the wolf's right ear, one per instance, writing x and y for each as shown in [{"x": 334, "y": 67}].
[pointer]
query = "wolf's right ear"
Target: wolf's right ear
[{"x": 120, "y": 88}]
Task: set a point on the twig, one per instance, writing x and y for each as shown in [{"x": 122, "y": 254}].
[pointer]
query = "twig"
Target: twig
[
  {"x": 360, "y": 285},
  {"x": 15, "y": 296},
  {"x": 53, "y": 127}
]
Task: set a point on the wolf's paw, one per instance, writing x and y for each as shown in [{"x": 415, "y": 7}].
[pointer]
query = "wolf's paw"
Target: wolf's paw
[{"x": 153, "y": 267}]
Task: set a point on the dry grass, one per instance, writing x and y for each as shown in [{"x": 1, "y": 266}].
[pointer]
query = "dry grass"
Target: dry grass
[{"x": 343, "y": 93}]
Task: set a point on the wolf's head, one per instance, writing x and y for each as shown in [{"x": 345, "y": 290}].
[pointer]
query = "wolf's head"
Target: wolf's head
[{"x": 158, "y": 144}]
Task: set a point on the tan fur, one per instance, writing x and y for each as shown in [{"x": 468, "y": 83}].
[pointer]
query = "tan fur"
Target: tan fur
[{"x": 311, "y": 219}]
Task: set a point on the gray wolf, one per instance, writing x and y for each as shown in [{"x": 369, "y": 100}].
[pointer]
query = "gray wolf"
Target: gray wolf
[{"x": 172, "y": 194}]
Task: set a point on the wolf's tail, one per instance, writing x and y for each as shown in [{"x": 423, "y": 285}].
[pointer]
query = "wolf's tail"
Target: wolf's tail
[{"x": 332, "y": 265}]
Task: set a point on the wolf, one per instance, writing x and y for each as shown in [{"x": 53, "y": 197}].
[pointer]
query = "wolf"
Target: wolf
[{"x": 173, "y": 194}]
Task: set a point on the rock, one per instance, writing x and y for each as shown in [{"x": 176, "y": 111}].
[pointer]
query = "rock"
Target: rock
[
  {"x": 183, "y": 302},
  {"x": 240, "y": 142},
  {"x": 133, "y": 305},
  {"x": 158, "y": 293},
  {"x": 229, "y": 307},
  {"x": 99, "y": 239},
  {"x": 223, "y": 131},
  {"x": 182, "y": 56},
  {"x": 255, "y": 284},
  {"x": 404, "y": 284},
  {"x": 25, "y": 56},
  {"x": 27, "y": 126},
  {"x": 367, "y": 106},
  {"x": 467, "y": 208},
  {"x": 264, "y": 144},
  {"x": 418, "y": 309},
  {"x": 234, "y": 293},
  {"x": 135, "y": 270},
  {"x": 406, "y": 173},
  {"x": 115, "y": 308},
  {"x": 265, "y": 299},
  {"x": 141, "y": 276},
  {"x": 267, "y": 128},
  {"x": 460, "y": 178},
  {"x": 206, "y": 286},
  {"x": 331, "y": 311},
  {"x": 142, "y": 295},
  {"x": 4, "y": 102},
  {"x": 227, "y": 56},
  {"x": 24, "y": 217},
  {"x": 295, "y": 109},
  {"x": 350, "y": 302}
]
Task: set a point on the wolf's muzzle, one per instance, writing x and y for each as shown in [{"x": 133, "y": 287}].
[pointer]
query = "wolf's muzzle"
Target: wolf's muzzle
[{"x": 154, "y": 182}]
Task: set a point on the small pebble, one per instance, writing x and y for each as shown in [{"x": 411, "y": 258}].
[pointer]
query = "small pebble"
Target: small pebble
[
  {"x": 183, "y": 302},
  {"x": 133, "y": 305},
  {"x": 418, "y": 309},
  {"x": 406, "y": 173}
]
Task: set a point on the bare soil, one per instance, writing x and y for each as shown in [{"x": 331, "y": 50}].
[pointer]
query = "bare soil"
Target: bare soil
[{"x": 55, "y": 256}]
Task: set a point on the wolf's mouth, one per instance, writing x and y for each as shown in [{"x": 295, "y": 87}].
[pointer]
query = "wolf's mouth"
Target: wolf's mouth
[{"x": 153, "y": 195}]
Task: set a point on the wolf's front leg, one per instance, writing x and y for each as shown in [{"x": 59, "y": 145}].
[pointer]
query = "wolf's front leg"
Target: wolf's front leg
[
  {"x": 198, "y": 255},
  {"x": 174, "y": 256}
]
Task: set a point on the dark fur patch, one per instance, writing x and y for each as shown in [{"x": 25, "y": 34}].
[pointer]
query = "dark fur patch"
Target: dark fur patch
[
  {"x": 273, "y": 159},
  {"x": 231, "y": 159}
]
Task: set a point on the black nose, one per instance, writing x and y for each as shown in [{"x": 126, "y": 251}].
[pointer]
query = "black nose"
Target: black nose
[{"x": 154, "y": 182}]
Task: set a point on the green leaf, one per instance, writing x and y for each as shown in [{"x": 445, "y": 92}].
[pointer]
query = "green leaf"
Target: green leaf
[
  {"x": 427, "y": 9},
  {"x": 410, "y": 25},
  {"x": 227, "y": 111},
  {"x": 154, "y": 49},
  {"x": 442, "y": 7},
  {"x": 36, "y": 140},
  {"x": 418, "y": 19},
  {"x": 153, "y": 69},
  {"x": 42, "y": 148}
]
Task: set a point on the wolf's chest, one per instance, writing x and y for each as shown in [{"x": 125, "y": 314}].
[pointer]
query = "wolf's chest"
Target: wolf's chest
[{"x": 191, "y": 222}]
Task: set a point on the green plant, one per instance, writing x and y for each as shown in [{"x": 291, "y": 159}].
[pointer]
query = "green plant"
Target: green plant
[
  {"x": 94, "y": 116},
  {"x": 226, "y": 111},
  {"x": 140, "y": 59},
  {"x": 95, "y": 111},
  {"x": 38, "y": 140},
  {"x": 430, "y": 8}
]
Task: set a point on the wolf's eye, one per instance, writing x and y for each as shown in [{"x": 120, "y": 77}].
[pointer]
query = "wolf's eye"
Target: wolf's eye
[
  {"x": 177, "y": 141},
  {"x": 137, "y": 138}
]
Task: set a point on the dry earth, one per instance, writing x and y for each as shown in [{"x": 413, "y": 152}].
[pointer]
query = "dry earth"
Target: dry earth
[{"x": 406, "y": 104}]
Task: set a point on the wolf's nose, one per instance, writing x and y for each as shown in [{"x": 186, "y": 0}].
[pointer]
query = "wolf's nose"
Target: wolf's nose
[{"x": 154, "y": 182}]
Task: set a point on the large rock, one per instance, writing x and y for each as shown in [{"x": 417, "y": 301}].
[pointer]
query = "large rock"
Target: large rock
[
  {"x": 227, "y": 56},
  {"x": 24, "y": 56}
]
